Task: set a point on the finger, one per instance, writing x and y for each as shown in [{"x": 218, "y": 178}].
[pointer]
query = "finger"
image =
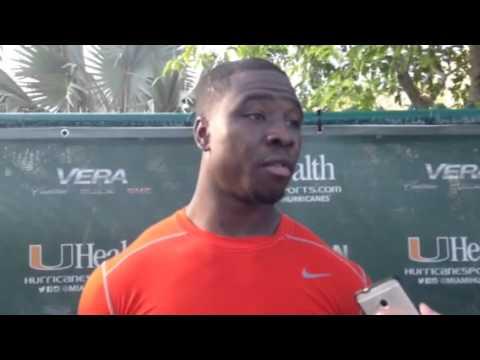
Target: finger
[{"x": 426, "y": 310}]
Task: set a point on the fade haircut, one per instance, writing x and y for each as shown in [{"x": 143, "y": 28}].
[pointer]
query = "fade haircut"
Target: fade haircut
[{"x": 217, "y": 80}]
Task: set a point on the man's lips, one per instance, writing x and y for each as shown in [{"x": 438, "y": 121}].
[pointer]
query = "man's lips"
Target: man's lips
[
  {"x": 279, "y": 167},
  {"x": 278, "y": 170}
]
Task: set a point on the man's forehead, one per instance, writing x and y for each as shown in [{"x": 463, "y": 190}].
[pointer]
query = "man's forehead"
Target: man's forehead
[
  {"x": 252, "y": 80},
  {"x": 261, "y": 85}
]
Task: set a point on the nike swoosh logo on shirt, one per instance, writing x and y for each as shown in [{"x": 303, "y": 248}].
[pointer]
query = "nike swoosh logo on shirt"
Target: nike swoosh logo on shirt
[{"x": 309, "y": 275}]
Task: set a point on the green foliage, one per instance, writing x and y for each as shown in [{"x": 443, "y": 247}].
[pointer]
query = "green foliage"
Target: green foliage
[
  {"x": 163, "y": 77},
  {"x": 121, "y": 78},
  {"x": 334, "y": 77}
]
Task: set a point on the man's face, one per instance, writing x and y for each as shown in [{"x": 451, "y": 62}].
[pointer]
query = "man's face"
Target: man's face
[{"x": 254, "y": 137}]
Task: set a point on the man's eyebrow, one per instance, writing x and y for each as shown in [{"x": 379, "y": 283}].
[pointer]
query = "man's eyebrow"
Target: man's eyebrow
[{"x": 262, "y": 96}]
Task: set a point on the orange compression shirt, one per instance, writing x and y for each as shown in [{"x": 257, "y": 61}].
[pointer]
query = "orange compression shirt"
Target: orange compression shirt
[{"x": 175, "y": 267}]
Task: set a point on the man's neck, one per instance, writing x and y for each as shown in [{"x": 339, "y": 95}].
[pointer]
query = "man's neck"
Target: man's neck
[{"x": 228, "y": 216}]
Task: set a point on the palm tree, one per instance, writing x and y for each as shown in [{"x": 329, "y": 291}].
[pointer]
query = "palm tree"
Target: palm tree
[
  {"x": 120, "y": 78},
  {"x": 13, "y": 98}
]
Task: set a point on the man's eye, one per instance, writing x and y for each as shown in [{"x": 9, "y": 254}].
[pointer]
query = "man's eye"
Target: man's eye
[
  {"x": 295, "y": 123},
  {"x": 256, "y": 116}
]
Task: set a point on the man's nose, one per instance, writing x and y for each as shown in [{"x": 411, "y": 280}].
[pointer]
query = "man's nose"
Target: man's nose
[{"x": 280, "y": 135}]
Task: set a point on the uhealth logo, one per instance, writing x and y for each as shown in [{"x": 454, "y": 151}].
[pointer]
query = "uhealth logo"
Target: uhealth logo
[
  {"x": 447, "y": 248},
  {"x": 314, "y": 168},
  {"x": 76, "y": 256}
]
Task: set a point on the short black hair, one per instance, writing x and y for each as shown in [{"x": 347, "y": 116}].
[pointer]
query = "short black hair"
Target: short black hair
[{"x": 217, "y": 80}]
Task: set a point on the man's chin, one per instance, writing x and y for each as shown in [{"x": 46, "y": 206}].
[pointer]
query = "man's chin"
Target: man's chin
[{"x": 269, "y": 198}]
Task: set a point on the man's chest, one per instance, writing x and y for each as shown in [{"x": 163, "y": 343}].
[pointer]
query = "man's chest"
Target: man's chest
[{"x": 238, "y": 285}]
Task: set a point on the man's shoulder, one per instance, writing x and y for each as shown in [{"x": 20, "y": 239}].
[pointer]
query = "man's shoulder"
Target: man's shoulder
[
  {"x": 162, "y": 232},
  {"x": 164, "y": 229},
  {"x": 301, "y": 236},
  {"x": 295, "y": 228}
]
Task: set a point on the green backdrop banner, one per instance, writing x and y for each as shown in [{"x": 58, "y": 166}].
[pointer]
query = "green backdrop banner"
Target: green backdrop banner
[{"x": 401, "y": 204}]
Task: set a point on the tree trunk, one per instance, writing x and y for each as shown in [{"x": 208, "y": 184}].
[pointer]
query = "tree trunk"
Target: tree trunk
[
  {"x": 474, "y": 95},
  {"x": 412, "y": 91}
]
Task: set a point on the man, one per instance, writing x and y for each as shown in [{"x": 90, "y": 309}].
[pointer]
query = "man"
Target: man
[{"x": 230, "y": 251}]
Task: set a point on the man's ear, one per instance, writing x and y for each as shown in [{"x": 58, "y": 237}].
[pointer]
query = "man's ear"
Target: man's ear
[{"x": 201, "y": 133}]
